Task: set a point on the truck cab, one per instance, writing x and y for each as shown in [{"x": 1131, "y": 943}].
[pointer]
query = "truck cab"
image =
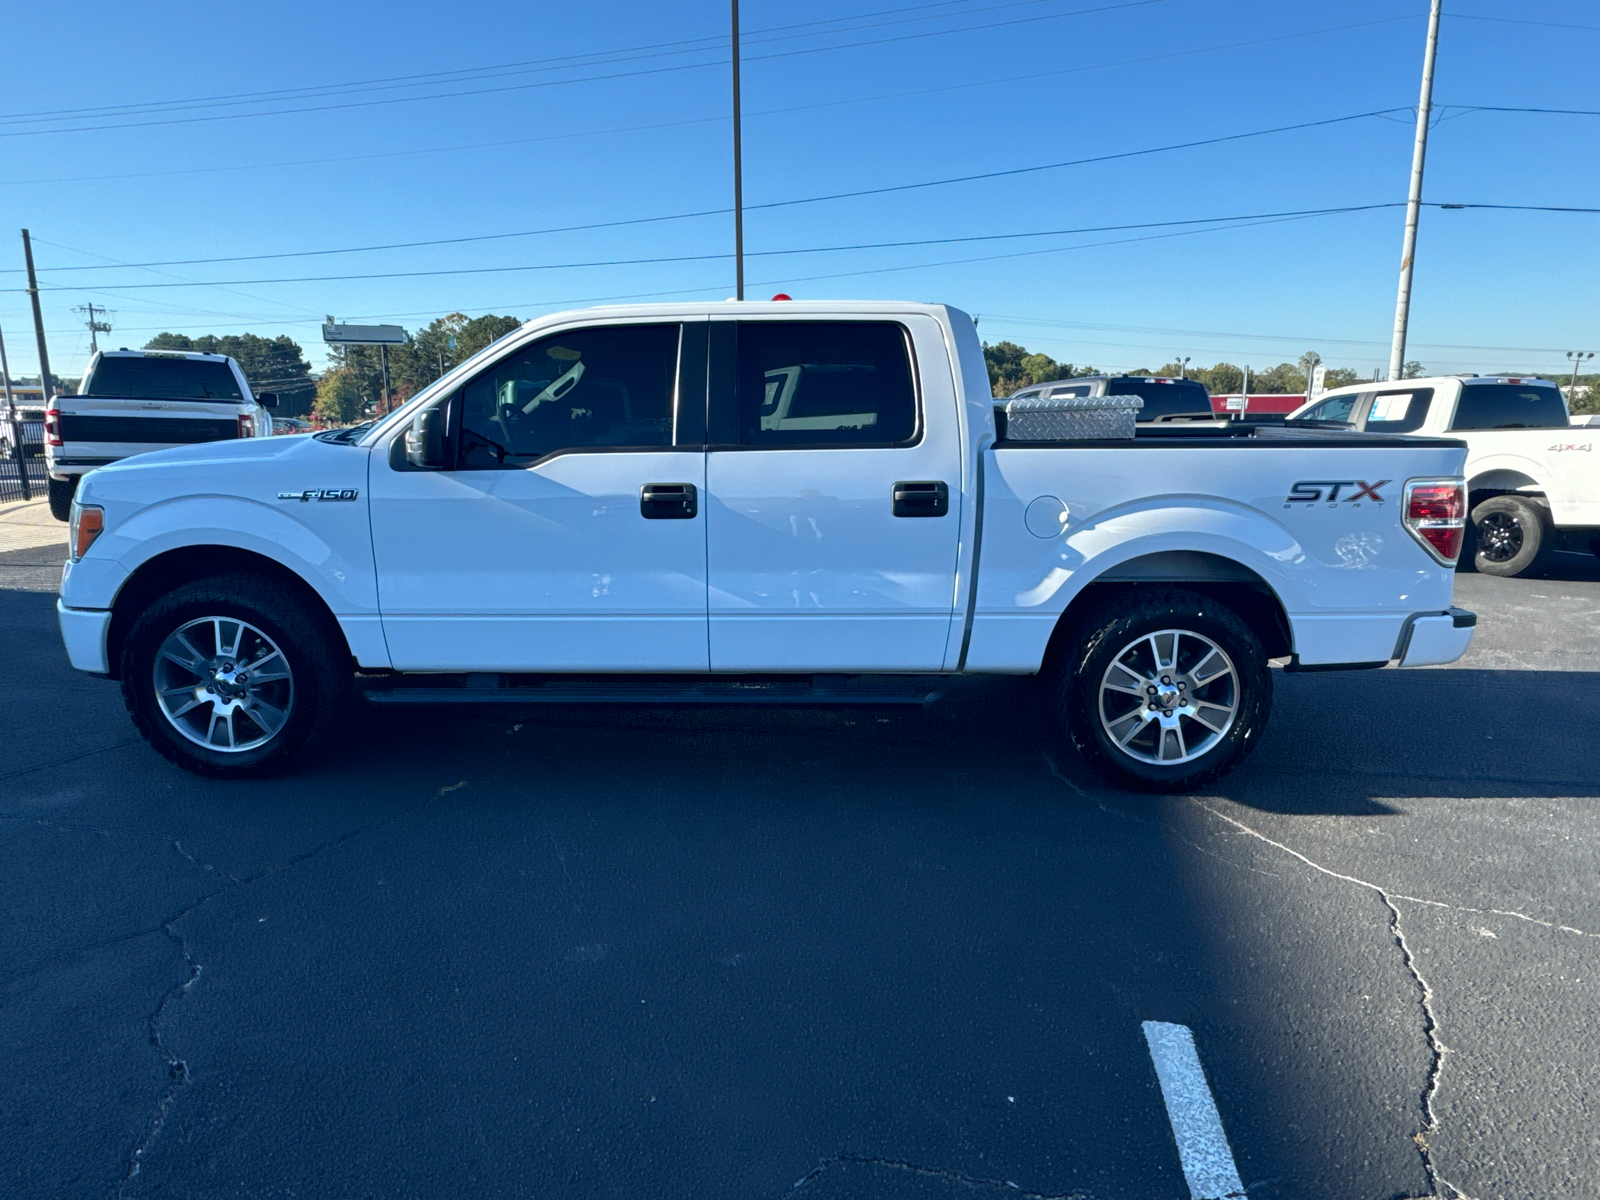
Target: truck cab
[{"x": 135, "y": 401}]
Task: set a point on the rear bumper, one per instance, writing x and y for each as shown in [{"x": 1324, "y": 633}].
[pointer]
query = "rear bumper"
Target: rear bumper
[
  {"x": 83, "y": 631},
  {"x": 1433, "y": 639}
]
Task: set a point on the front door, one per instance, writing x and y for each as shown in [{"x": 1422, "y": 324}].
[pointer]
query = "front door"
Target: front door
[
  {"x": 565, "y": 532},
  {"x": 834, "y": 496}
]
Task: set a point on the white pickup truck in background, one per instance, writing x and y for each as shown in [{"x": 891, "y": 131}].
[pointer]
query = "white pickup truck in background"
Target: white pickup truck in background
[
  {"x": 135, "y": 401},
  {"x": 756, "y": 503},
  {"x": 1533, "y": 477}
]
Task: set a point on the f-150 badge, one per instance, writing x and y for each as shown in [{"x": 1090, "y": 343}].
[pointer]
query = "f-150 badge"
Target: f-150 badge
[
  {"x": 1334, "y": 491},
  {"x": 311, "y": 494}
]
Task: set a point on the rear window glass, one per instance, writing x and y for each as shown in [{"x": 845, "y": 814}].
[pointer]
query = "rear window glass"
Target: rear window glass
[
  {"x": 1162, "y": 399},
  {"x": 825, "y": 383},
  {"x": 1509, "y": 406},
  {"x": 163, "y": 379},
  {"x": 1400, "y": 411}
]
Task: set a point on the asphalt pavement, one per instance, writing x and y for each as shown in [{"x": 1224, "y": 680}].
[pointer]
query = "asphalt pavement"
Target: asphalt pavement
[{"x": 807, "y": 953}]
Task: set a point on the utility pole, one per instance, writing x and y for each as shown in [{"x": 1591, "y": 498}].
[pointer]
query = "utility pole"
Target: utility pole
[
  {"x": 738, "y": 169},
  {"x": 95, "y": 326},
  {"x": 38, "y": 319},
  {"x": 1577, "y": 357},
  {"x": 19, "y": 449},
  {"x": 383, "y": 358},
  {"x": 1408, "y": 253}
]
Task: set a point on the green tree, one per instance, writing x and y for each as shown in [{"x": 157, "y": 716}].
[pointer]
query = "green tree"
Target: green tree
[
  {"x": 1339, "y": 377},
  {"x": 269, "y": 364},
  {"x": 339, "y": 399},
  {"x": 1221, "y": 379},
  {"x": 1413, "y": 370},
  {"x": 1012, "y": 367}
]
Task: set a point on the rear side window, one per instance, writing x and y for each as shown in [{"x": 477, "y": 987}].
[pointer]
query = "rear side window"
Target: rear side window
[
  {"x": 163, "y": 379},
  {"x": 1162, "y": 399},
  {"x": 1399, "y": 412},
  {"x": 825, "y": 383},
  {"x": 1074, "y": 390},
  {"x": 1509, "y": 406}
]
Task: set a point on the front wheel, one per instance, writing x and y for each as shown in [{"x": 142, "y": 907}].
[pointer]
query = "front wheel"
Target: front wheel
[
  {"x": 237, "y": 675},
  {"x": 1166, "y": 693}
]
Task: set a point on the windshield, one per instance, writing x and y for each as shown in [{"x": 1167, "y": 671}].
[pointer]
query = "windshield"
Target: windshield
[
  {"x": 1162, "y": 399},
  {"x": 163, "y": 379},
  {"x": 1510, "y": 406}
]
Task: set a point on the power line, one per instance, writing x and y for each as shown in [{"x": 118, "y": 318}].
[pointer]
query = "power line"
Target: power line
[
  {"x": 681, "y": 258},
  {"x": 1006, "y": 80},
  {"x": 1517, "y": 21},
  {"x": 584, "y": 79},
  {"x": 1013, "y": 171}
]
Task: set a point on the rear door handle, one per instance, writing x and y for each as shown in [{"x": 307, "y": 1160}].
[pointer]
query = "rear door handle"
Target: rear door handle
[
  {"x": 669, "y": 501},
  {"x": 916, "y": 498}
]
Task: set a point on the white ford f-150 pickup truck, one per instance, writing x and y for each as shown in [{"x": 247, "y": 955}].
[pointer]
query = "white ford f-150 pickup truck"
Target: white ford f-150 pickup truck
[
  {"x": 134, "y": 401},
  {"x": 757, "y": 502},
  {"x": 1533, "y": 478}
]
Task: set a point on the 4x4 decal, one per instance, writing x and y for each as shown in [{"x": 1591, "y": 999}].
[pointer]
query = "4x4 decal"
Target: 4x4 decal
[{"x": 1333, "y": 492}]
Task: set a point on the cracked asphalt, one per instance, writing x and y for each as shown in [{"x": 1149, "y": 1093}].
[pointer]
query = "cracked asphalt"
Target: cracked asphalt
[{"x": 810, "y": 953}]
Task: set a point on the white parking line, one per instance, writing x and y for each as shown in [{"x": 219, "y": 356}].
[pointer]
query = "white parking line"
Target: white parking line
[{"x": 1196, "y": 1126}]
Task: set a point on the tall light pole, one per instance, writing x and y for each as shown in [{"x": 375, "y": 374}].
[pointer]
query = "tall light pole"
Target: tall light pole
[
  {"x": 1419, "y": 153},
  {"x": 738, "y": 169},
  {"x": 1182, "y": 364},
  {"x": 1577, "y": 357}
]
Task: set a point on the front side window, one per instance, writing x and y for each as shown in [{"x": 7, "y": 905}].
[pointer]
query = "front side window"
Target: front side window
[
  {"x": 825, "y": 383},
  {"x": 1509, "y": 406},
  {"x": 1334, "y": 408},
  {"x": 1399, "y": 412},
  {"x": 606, "y": 386},
  {"x": 163, "y": 379}
]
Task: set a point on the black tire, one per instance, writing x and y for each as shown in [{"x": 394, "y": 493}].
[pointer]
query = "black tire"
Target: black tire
[
  {"x": 1116, "y": 633},
  {"x": 61, "y": 492},
  {"x": 316, "y": 701},
  {"x": 1511, "y": 536}
]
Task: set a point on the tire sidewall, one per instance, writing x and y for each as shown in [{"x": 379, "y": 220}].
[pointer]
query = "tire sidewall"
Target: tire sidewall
[
  {"x": 1535, "y": 539},
  {"x": 1107, "y": 637},
  {"x": 295, "y": 637}
]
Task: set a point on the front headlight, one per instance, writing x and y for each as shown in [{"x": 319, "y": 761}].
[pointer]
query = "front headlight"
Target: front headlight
[{"x": 87, "y": 522}]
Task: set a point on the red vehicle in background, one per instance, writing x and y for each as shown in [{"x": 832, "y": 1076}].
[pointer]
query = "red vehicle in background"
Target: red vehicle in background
[{"x": 1256, "y": 405}]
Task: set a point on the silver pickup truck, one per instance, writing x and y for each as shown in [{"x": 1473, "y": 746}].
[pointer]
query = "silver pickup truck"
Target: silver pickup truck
[{"x": 135, "y": 401}]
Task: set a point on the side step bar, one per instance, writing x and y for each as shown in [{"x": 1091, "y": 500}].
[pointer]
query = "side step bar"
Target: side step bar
[{"x": 654, "y": 689}]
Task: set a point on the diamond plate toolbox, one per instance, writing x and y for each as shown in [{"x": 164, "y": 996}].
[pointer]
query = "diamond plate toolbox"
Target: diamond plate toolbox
[{"x": 1067, "y": 418}]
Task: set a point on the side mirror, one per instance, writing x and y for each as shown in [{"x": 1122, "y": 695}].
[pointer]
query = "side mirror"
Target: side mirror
[
  {"x": 267, "y": 399},
  {"x": 425, "y": 440}
]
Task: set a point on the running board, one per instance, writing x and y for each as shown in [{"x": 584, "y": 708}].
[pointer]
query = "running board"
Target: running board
[{"x": 654, "y": 689}]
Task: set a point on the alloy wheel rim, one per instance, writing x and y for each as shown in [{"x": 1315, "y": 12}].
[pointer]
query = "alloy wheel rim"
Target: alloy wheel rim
[
  {"x": 1499, "y": 537},
  {"x": 223, "y": 684},
  {"x": 1169, "y": 697}
]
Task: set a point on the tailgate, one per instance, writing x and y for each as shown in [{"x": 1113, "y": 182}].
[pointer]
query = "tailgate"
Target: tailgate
[{"x": 107, "y": 427}]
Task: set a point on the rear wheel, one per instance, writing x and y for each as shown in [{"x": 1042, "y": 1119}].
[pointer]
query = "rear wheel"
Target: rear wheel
[
  {"x": 1511, "y": 535},
  {"x": 1167, "y": 693},
  {"x": 61, "y": 492},
  {"x": 236, "y": 675}
]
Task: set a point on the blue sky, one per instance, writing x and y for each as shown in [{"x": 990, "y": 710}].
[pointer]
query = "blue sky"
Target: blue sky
[{"x": 507, "y": 118}]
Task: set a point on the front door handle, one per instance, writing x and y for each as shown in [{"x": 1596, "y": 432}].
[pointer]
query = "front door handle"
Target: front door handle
[
  {"x": 921, "y": 499},
  {"x": 669, "y": 501}
]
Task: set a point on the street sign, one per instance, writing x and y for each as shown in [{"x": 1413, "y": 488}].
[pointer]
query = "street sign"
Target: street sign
[
  {"x": 364, "y": 335},
  {"x": 1319, "y": 379}
]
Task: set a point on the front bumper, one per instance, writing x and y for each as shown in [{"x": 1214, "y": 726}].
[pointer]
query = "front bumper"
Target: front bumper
[
  {"x": 1433, "y": 639},
  {"x": 84, "y": 631}
]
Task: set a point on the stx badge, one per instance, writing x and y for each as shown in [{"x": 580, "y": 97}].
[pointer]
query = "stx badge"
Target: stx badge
[
  {"x": 1334, "y": 492},
  {"x": 311, "y": 494}
]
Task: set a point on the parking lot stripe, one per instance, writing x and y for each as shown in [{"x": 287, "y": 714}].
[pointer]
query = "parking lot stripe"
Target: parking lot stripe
[{"x": 1196, "y": 1126}]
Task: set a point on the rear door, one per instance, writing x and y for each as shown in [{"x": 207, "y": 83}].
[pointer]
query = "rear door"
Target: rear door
[{"x": 833, "y": 481}]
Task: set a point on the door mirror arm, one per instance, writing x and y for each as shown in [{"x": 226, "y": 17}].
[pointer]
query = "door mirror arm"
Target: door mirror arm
[{"x": 425, "y": 440}]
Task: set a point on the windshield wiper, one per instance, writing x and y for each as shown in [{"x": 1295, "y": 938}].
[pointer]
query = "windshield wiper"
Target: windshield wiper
[{"x": 347, "y": 435}]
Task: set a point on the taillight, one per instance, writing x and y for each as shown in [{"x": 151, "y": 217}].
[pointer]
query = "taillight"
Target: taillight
[
  {"x": 247, "y": 426},
  {"x": 87, "y": 522},
  {"x": 1436, "y": 515},
  {"x": 52, "y": 426}
]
